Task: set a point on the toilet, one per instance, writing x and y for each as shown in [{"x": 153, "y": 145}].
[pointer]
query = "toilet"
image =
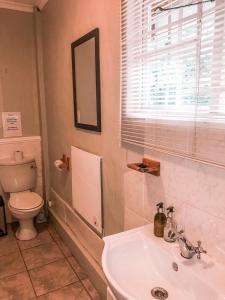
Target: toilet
[{"x": 18, "y": 178}]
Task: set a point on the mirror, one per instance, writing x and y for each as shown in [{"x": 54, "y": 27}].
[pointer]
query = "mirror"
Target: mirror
[{"x": 86, "y": 81}]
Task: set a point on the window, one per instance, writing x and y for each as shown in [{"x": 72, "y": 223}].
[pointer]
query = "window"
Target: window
[{"x": 173, "y": 77}]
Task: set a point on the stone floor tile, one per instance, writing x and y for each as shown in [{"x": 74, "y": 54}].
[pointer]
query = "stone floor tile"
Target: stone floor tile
[
  {"x": 42, "y": 226},
  {"x": 77, "y": 268},
  {"x": 91, "y": 289},
  {"x": 74, "y": 291},
  {"x": 52, "y": 276},
  {"x": 56, "y": 237},
  {"x": 8, "y": 244},
  {"x": 11, "y": 264},
  {"x": 42, "y": 238},
  {"x": 41, "y": 255},
  {"x": 64, "y": 248},
  {"x": 16, "y": 287},
  {"x": 53, "y": 232}
]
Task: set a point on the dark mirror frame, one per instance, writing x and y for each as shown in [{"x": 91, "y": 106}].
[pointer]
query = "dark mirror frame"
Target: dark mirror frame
[{"x": 93, "y": 34}]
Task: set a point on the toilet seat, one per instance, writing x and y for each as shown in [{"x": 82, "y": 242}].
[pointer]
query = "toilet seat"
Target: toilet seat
[{"x": 25, "y": 201}]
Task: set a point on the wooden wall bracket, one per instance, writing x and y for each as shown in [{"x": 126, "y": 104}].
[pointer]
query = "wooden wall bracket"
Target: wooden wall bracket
[{"x": 147, "y": 166}]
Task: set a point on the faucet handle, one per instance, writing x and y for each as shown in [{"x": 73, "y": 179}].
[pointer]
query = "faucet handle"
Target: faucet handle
[
  {"x": 180, "y": 234},
  {"x": 199, "y": 249},
  {"x": 175, "y": 234}
]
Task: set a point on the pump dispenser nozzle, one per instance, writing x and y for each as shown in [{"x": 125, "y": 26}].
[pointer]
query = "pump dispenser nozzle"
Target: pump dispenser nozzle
[
  {"x": 170, "y": 210},
  {"x": 160, "y": 205}
]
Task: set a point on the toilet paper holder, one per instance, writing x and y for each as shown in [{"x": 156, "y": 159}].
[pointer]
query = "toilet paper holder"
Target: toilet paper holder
[{"x": 65, "y": 163}]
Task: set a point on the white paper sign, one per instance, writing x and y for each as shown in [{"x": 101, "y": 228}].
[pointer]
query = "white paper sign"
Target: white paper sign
[{"x": 11, "y": 124}]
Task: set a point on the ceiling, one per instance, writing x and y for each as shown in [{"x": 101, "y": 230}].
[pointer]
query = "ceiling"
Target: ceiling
[{"x": 22, "y": 5}]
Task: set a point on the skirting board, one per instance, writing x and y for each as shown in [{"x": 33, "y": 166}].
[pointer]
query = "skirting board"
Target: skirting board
[
  {"x": 90, "y": 266},
  {"x": 110, "y": 295},
  {"x": 88, "y": 238}
]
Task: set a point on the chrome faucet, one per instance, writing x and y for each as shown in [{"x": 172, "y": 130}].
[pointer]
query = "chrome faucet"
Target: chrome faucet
[{"x": 187, "y": 250}]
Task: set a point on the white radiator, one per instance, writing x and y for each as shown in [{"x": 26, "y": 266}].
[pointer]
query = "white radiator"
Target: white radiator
[{"x": 87, "y": 187}]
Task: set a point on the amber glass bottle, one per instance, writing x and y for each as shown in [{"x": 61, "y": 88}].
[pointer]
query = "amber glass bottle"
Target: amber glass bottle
[{"x": 159, "y": 221}]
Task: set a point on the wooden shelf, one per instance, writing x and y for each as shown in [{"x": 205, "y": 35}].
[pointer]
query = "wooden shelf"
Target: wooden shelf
[{"x": 146, "y": 166}]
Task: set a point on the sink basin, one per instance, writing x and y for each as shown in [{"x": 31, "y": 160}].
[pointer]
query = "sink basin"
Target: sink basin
[{"x": 135, "y": 262}]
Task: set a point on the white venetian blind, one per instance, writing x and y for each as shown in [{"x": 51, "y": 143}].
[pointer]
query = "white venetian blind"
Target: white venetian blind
[{"x": 173, "y": 77}]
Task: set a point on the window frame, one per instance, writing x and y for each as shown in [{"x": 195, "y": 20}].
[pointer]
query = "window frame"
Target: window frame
[{"x": 197, "y": 40}]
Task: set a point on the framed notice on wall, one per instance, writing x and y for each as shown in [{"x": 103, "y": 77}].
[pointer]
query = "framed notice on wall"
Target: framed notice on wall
[{"x": 11, "y": 122}]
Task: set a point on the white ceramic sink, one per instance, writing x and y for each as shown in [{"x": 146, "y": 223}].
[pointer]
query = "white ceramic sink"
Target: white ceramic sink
[{"x": 136, "y": 261}]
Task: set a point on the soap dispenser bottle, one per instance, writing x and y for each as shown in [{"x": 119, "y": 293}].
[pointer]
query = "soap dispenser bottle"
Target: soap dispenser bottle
[
  {"x": 171, "y": 226},
  {"x": 159, "y": 220}
]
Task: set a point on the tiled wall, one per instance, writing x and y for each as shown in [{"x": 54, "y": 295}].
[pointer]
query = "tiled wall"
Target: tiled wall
[
  {"x": 196, "y": 190},
  {"x": 31, "y": 146}
]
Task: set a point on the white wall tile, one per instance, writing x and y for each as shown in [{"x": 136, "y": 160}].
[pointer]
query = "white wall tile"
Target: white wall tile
[
  {"x": 196, "y": 190},
  {"x": 134, "y": 191},
  {"x": 207, "y": 228},
  {"x": 133, "y": 220}
]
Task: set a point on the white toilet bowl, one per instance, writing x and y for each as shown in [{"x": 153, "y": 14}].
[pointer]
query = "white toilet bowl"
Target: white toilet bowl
[{"x": 24, "y": 206}]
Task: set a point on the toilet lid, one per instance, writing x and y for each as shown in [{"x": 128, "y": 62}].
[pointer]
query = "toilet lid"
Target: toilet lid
[{"x": 25, "y": 200}]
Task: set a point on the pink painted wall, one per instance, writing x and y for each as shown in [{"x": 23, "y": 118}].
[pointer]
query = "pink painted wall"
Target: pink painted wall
[{"x": 64, "y": 22}]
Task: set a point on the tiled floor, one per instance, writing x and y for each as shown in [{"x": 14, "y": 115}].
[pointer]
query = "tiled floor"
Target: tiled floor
[{"x": 42, "y": 268}]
